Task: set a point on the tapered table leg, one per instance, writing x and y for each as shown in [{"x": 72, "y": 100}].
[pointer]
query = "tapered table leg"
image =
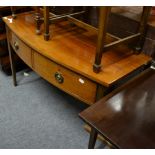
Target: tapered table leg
[
  {"x": 12, "y": 61},
  {"x": 92, "y": 139}
]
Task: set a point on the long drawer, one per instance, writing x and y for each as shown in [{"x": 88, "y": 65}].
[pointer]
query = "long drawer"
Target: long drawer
[
  {"x": 21, "y": 49},
  {"x": 72, "y": 83}
]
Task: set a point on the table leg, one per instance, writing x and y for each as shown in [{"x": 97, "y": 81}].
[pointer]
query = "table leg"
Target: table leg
[
  {"x": 13, "y": 69},
  {"x": 92, "y": 139},
  {"x": 11, "y": 56}
]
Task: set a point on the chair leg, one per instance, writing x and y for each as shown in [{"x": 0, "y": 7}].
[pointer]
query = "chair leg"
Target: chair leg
[
  {"x": 142, "y": 28},
  {"x": 38, "y": 20},
  {"x": 92, "y": 139},
  {"x": 102, "y": 28},
  {"x": 13, "y": 12},
  {"x": 46, "y": 23}
]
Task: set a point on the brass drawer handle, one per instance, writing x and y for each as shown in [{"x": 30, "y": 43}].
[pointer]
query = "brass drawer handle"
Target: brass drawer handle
[
  {"x": 16, "y": 46},
  {"x": 59, "y": 78}
]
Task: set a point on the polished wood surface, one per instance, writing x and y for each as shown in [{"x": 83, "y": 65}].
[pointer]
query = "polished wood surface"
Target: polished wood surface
[
  {"x": 127, "y": 119},
  {"x": 74, "y": 48},
  {"x": 4, "y": 56},
  {"x": 104, "y": 12},
  {"x": 22, "y": 50},
  {"x": 74, "y": 84}
]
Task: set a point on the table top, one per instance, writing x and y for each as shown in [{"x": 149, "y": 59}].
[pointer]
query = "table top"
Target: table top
[
  {"x": 75, "y": 48},
  {"x": 127, "y": 119}
]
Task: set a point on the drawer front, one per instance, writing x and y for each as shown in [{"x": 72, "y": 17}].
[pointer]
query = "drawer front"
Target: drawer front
[
  {"x": 21, "y": 49},
  {"x": 72, "y": 83}
]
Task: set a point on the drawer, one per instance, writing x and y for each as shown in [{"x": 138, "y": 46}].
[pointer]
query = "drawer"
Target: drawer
[
  {"x": 21, "y": 49},
  {"x": 72, "y": 83}
]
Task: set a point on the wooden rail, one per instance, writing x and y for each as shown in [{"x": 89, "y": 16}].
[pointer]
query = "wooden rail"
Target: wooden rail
[{"x": 126, "y": 40}]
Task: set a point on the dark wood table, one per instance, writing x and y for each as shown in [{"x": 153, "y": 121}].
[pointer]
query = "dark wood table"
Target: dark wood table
[{"x": 125, "y": 118}]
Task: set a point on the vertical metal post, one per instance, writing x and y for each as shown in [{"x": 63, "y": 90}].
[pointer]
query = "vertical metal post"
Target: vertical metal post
[
  {"x": 142, "y": 27},
  {"x": 46, "y": 23},
  {"x": 102, "y": 27}
]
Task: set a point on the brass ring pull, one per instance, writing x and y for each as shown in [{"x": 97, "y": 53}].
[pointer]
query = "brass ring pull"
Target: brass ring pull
[
  {"x": 59, "y": 78},
  {"x": 16, "y": 45}
]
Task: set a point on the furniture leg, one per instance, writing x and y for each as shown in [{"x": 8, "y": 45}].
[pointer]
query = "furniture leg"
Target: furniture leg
[
  {"x": 103, "y": 20},
  {"x": 11, "y": 56},
  {"x": 142, "y": 27},
  {"x": 46, "y": 23},
  {"x": 13, "y": 66},
  {"x": 100, "y": 137},
  {"x": 92, "y": 139},
  {"x": 38, "y": 21},
  {"x": 101, "y": 91},
  {"x": 13, "y": 12}
]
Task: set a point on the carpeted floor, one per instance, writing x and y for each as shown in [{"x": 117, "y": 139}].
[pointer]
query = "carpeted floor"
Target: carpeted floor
[{"x": 37, "y": 115}]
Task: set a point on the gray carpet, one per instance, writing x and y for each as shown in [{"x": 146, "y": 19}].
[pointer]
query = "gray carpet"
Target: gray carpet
[{"x": 37, "y": 115}]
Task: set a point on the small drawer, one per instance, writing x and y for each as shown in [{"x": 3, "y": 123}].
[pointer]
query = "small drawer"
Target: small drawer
[
  {"x": 72, "y": 83},
  {"x": 21, "y": 49}
]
